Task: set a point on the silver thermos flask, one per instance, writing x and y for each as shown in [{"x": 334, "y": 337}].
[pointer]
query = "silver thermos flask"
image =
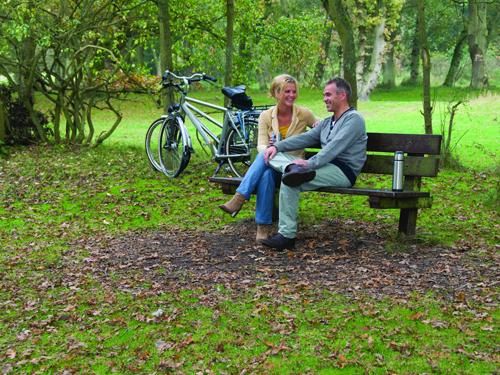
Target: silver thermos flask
[{"x": 397, "y": 175}]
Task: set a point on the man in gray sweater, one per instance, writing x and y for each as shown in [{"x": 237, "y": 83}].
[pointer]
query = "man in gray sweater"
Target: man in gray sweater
[{"x": 338, "y": 163}]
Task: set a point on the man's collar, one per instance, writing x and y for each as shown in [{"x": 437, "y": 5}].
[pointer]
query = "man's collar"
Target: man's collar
[{"x": 336, "y": 116}]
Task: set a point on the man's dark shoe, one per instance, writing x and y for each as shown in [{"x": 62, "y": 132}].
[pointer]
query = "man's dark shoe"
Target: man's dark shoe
[
  {"x": 296, "y": 175},
  {"x": 279, "y": 242}
]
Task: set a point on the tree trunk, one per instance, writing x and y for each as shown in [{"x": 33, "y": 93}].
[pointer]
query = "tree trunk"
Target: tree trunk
[
  {"x": 426, "y": 66},
  {"x": 3, "y": 122},
  {"x": 362, "y": 54},
  {"x": 319, "y": 72},
  {"x": 452, "y": 75},
  {"x": 478, "y": 42},
  {"x": 389, "y": 65},
  {"x": 389, "y": 69},
  {"x": 414, "y": 64},
  {"x": 415, "y": 56},
  {"x": 228, "y": 75},
  {"x": 26, "y": 83},
  {"x": 139, "y": 55},
  {"x": 338, "y": 14},
  {"x": 166, "y": 62},
  {"x": 371, "y": 80}
]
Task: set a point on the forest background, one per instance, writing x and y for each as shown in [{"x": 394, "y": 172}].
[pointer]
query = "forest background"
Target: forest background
[{"x": 79, "y": 56}]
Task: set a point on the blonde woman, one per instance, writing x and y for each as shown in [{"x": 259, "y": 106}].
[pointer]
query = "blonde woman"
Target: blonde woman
[{"x": 281, "y": 121}]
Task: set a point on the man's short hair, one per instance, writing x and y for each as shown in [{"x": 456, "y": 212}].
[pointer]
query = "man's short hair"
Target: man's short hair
[{"x": 342, "y": 85}]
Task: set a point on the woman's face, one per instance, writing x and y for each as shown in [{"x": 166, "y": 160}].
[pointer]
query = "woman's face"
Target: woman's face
[{"x": 288, "y": 95}]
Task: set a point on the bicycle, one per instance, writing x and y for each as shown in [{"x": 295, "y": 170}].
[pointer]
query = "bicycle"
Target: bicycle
[{"x": 169, "y": 145}]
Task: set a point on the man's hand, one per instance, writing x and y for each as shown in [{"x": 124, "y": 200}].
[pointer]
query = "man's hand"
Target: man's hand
[
  {"x": 269, "y": 153},
  {"x": 301, "y": 162}
]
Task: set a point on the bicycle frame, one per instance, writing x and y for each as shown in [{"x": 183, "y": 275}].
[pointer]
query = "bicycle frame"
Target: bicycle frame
[{"x": 210, "y": 139}]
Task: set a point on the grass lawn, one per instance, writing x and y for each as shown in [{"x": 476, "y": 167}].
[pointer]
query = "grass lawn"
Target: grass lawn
[{"x": 61, "y": 208}]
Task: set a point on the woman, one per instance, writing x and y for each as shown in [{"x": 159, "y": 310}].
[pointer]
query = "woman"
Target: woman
[{"x": 278, "y": 122}]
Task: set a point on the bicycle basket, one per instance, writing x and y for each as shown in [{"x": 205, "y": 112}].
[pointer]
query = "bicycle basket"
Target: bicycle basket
[{"x": 239, "y": 98}]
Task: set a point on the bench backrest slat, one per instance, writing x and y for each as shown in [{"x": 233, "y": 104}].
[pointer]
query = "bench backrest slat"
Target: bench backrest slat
[
  {"x": 421, "y": 153},
  {"x": 409, "y": 143},
  {"x": 413, "y": 165}
]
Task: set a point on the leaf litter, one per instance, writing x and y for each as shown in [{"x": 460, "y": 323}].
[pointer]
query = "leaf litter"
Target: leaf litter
[{"x": 344, "y": 257}]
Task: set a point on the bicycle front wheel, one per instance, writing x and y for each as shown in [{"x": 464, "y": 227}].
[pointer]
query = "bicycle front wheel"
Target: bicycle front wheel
[
  {"x": 174, "y": 147},
  {"x": 243, "y": 149},
  {"x": 152, "y": 144}
]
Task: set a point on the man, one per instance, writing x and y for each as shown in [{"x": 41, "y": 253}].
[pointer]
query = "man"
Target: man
[{"x": 338, "y": 163}]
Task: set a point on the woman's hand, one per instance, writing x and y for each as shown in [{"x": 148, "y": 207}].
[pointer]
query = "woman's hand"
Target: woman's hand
[{"x": 269, "y": 153}]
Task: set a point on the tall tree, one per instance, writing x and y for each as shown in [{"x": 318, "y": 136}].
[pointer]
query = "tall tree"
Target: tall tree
[
  {"x": 415, "y": 55},
  {"x": 166, "y": 61},
  {"x": 368, "y": 81},
  {"x": 326, "y": 42},
  {"x": 228, "y": 71},
  {"x": 456, "y": 58},
  {"x": 337, "y": 11},
  {"x": 389, "y": 66},
  {"x": 478, "y": 42},
  {"x": 3, "y": 121},
  {"x": 426, "y": 66}
]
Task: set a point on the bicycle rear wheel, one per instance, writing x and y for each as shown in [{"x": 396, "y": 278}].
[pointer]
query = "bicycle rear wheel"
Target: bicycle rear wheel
[
  {"x": 174, "y": 147},
  {"x": 152, "y": 144},
  {"x": 236, "y": 144}
]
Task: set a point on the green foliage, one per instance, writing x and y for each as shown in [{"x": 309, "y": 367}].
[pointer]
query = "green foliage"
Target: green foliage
[
  {"x": 301, "y": 33},
  {"x": 72, "y": 53}
]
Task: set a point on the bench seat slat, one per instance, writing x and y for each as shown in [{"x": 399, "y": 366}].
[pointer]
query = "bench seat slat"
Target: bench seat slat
[
  {"x": 376, "y": 192},
  {"x": 234, "y": 181}
]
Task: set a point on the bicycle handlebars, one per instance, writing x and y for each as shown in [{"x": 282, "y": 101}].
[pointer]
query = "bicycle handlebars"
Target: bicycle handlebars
[{"x": 168, "y": 77}]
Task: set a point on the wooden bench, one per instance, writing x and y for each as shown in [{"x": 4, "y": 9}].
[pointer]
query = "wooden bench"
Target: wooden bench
[{"x": 421, "y": 160}]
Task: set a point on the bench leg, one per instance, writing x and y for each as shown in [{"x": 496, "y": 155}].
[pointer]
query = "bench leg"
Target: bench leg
[
  {"x": 276, "y": 208},
  {"x": 408, "y": 221}
]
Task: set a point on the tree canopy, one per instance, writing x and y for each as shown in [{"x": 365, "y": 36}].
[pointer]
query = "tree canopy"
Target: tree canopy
[{"x": 81, "y": 54}]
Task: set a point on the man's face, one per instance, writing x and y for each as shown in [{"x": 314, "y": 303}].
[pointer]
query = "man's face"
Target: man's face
[{"x": 332, "y": 97}]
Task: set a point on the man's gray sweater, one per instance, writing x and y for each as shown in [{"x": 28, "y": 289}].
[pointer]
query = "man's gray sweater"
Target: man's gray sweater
[{"x": 342, "y": 140}]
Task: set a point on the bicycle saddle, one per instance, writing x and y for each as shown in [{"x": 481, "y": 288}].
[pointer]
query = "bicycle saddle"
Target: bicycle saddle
[{"x": 231, "y": 92}]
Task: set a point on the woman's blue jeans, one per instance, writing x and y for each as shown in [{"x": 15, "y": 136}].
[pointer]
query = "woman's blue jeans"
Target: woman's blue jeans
[{"x": 261, "y": 179}]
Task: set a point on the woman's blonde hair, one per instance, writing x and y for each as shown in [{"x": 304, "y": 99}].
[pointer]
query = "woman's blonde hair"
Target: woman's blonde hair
[{"x": 279, "y": 82}]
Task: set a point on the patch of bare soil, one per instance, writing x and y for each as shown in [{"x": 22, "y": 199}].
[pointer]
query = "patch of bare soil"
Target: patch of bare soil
[{"x": 345, "y": 257}]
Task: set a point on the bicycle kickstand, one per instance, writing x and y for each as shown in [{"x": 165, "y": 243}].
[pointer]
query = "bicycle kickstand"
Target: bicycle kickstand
[{"x": 219, "y": 166}]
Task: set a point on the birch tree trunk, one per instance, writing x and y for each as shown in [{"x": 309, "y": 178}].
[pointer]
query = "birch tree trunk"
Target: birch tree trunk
[{"x": 377, "y": 58}]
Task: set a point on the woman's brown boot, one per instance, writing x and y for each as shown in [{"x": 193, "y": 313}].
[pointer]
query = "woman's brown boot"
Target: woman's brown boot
[
  {"x": 233, "y": 206},
  {"x": 263, "y": 232}
]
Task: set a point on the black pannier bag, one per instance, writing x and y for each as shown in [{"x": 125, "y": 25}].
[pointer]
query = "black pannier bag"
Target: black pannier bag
[{"x": 239, "y": 98}]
